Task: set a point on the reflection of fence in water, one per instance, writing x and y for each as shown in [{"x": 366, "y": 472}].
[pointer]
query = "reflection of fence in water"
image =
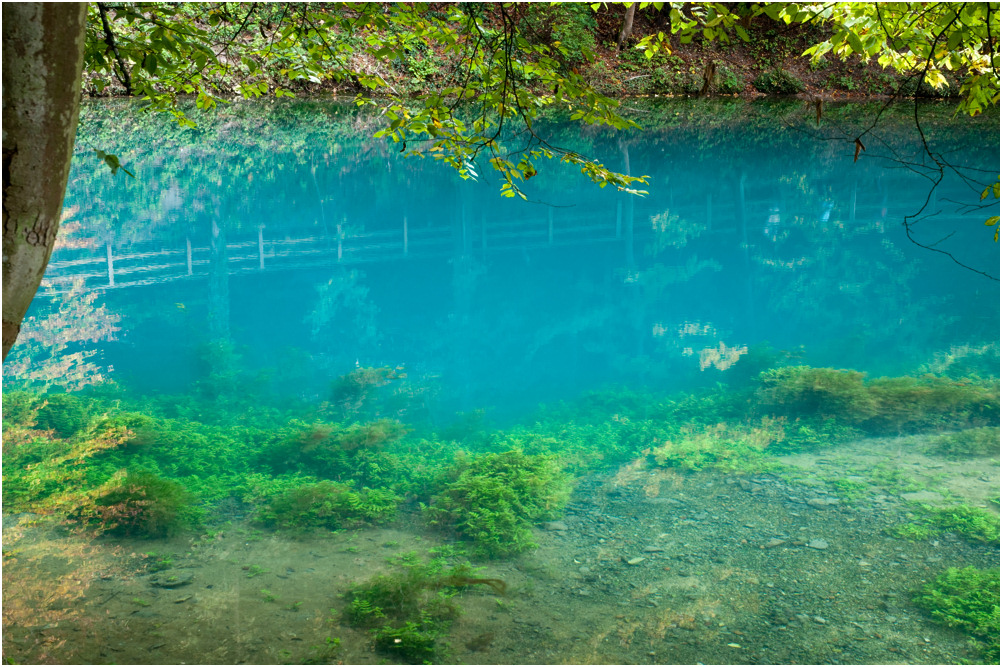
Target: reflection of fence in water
[{"x": 132, "y": 266}]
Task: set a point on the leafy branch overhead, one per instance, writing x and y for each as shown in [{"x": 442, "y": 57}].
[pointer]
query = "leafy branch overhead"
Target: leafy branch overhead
[
  {"x": 489, "y": 107},
  {"x": 484, "y": 111}
]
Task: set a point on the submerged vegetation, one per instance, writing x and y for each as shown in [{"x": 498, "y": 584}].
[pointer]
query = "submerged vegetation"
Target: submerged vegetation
[
  {"x": 104, "y": 461},
  {"x": 408, "y": 610},
  {"x": 967, "y": 599},
  {"x": 100, "y": 461}
]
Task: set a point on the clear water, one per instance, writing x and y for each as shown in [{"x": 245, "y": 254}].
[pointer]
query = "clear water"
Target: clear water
[
  {"x": 313, "y": 249},
  {"x": 253, "y": 261}
]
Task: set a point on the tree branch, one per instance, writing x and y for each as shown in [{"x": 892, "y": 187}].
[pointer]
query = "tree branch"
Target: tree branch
[{"x": 122, "y": 74}]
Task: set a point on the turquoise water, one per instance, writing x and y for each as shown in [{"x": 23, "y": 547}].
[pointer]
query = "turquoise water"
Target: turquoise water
[
  {"x": 288, "y": 396},
  {"x": 313, "y": 249}
]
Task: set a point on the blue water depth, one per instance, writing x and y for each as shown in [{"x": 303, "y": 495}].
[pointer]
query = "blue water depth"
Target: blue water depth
[{"x": 282, "y": 239}]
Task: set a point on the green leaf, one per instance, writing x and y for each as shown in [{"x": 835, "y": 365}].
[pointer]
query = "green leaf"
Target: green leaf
[
  {"x": 112, "y": 162},
  {"x": 854, "y": 42}
]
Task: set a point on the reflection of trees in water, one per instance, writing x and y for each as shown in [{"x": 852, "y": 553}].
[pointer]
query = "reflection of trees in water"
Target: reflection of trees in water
[
  {"x": 793, "y": 248},
  {"x": 59, "y": 347},
  {"x": 343, "y": 312}
]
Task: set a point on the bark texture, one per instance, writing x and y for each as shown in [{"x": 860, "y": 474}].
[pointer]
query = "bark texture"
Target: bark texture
[
  {"x": 43, "y": 45},
  {"x": 627, "y": 29}
]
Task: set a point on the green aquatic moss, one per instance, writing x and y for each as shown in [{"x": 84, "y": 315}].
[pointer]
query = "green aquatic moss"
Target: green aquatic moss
[
  {"x": 20, "y": 408},
  {"x": 798, "y": 391},
  {"x": 328, "y": 505},
  {"x": 66, "y": 414},
  {"x": 139, "y": 504},
  {"x": 409, "y": 610},
  {"x": 338, "y": 452},
  {"x": 971, "y": 523},
  {"x": 883, "y": 406},
  {"x": 969, "y": 443},
  {"x": 915, "y": 404},
  {"x": 966, "y": 599},
  {"x": 494, "y": 499},
  {"x": 721, "y": 447}
]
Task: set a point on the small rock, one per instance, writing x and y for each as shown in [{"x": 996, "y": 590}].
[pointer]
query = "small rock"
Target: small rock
[
  {"x": 818, "y": 620},
  {"x": 652, "y": 550},
  {"x": 822, "y": 502},
  {"x": 773, "y": 543},
  {"x": 818, "y": 544},
  {"x": 554, "y": 525},
  {"x": 636, "y": 561}
]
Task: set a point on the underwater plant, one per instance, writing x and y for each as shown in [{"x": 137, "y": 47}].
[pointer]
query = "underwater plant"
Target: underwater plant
[
  {"x": 20, "y": 408},
  {"x": 66, "y": 414},
  {"x": 335, "y": 452},
  {"x": 797, "y": 391},
  {"x": 356, "y": 390},
  {"x": 139, "y": 504},
  {"x": 328, "y": 505},
  {"x": 721, "y": 447},
  {"x": 971, "y": 523},
  {"x": 883, "y": 406},
  {"x": 967, "y": 599},
  {"x": 968, "y": 443},
  {"x": 410, "y": 609},
  {"x": 494, "y": 499},
  {"x": 910, "y": 405}
]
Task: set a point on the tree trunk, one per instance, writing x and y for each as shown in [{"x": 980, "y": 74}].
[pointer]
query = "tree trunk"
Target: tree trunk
[
  {"x": 627, "y": 29},
  {"x": 43, "y": 44}
]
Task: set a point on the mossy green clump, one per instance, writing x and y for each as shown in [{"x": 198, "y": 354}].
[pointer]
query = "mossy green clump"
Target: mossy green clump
[
  {"x": 972, "y": 442},
  {"x": 721, "y": 447},
  {"x": 356, "y": 391},
  {"x": 883, "y": 406},
  {"x": 328, "y": 505},
  {"x": 20, "y": 408},
  {"x": 139, "y": 504},
  {"x": 341, "y": 453},
  {"x": 494, "y": 499},
  {"x": 966, "y": 599},
  {"x": 408, "y": 611},
  {"x": 798, "y": 391},
  {"x": 915, "y": 404},
  {"x": 971, "y": 523},
  {"x": 778, "y": 82},
  {"x": 66, "y": 414}
]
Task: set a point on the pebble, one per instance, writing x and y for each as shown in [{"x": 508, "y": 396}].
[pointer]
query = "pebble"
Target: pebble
[
  {"x": 652, "y": 549},
  {"x": 822, "y": 502},
  {"x": 555, "y": 525},
  {"x": 818, "y": 544},
  {"x": 733, "y": 645},
  {"x": 636, "y": 561},
  {"x": 819, "y": 620},
  {"x": 773, "y": 543}
]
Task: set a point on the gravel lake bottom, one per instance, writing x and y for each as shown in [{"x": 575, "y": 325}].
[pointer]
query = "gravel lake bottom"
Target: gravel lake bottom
[{"x": 646, "y": 566}]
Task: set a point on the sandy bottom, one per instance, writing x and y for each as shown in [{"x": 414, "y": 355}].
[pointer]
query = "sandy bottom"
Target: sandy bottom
[{"x": 736, "y": 569}]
